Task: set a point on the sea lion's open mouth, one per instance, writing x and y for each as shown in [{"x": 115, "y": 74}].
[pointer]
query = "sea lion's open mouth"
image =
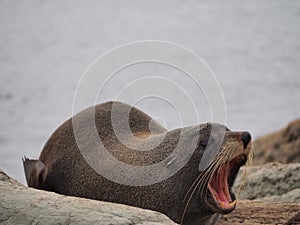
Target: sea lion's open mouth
[{"x": 221, "y": 182}]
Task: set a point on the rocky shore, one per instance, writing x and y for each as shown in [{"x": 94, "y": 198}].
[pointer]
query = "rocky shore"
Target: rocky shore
[
  {"x": 23, "y": 205},
  {"x": 271, "y": 194}
]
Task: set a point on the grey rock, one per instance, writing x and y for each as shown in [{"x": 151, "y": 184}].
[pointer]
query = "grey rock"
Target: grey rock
[
  {"x": 22, "y": 205},
  {"x": 271, "y": 182},
  {"x": 291, "y": 196}
]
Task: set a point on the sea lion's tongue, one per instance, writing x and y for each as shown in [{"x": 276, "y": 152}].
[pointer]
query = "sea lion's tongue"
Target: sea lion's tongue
[{"x": 218, "y": 186}]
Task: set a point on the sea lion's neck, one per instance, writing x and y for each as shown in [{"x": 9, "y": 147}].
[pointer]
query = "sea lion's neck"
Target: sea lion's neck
[{"x": 146, "y": 149}]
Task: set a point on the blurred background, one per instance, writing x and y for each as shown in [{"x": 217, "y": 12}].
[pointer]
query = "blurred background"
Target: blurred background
[{"x": 45, "y": 46}]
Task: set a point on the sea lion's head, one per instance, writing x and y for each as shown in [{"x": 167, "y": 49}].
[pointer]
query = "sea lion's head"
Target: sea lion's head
[
  {"x": 233, "y": 154},
  {"x": 212, "y": 189}
]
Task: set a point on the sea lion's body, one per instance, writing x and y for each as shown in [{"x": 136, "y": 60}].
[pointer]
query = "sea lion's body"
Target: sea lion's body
[{"x": 62, "y": 168}]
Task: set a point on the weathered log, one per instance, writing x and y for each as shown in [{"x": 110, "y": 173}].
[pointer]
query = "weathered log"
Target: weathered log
[{"x": 267, "y": 213}]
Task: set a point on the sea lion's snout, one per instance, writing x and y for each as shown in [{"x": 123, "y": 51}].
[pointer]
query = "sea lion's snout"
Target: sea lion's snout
[
  {"x": 246, "y": 138},
  {"x": 234, "y": 153}
]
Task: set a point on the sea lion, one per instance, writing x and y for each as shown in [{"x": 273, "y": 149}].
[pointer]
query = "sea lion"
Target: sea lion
[{"x": 188, "y": 197}]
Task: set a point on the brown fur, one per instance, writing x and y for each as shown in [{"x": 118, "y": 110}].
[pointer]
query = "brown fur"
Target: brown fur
[{"x": 67, "y": 172}]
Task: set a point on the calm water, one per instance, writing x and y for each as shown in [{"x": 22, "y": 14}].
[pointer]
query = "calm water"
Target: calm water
[{"x": 252, "y": 46}]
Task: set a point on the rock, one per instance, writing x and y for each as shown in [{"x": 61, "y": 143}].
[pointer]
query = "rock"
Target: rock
[
  {"x": 291, "y": 196},
  {"x": 22, "y": 205},
  {"x": 281, "y": 146},
  {"x": 271, "y": 182}
]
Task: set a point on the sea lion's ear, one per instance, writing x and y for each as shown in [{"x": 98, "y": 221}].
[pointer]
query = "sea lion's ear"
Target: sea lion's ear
[{"x": 33, "y": 169}]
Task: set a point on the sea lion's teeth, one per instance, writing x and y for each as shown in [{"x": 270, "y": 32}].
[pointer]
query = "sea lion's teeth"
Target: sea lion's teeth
[
  {"x": 232, "y": 204},
  {"x": 222, "y": 204}
]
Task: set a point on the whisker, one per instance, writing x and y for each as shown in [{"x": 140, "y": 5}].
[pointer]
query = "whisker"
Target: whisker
[
  {"x": 200, "y": 177},
  {"x": 223, "y": 160},
  {"x": 196, "y": 180},
  {"x": 216, "y": 164},
  {"x": 202, "y": 180},
  {"x": 249, "y": 163}
]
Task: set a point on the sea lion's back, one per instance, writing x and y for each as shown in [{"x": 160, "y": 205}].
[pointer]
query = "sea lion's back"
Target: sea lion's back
[
  {"x": 102, "y": 116},
  {"x": 61, "y": 155}
]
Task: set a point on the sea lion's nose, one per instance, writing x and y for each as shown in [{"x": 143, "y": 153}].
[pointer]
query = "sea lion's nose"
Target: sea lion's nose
[{"x": 246, "y": 138}]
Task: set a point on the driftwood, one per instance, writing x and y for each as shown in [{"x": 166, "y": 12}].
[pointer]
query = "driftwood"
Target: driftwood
[{"x": 267, "y": 213}]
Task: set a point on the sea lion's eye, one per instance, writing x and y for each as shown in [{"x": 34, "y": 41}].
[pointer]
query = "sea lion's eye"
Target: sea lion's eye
[
  {"x": 204, "y": 143},
  {"x": 207, "y": 141}
]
